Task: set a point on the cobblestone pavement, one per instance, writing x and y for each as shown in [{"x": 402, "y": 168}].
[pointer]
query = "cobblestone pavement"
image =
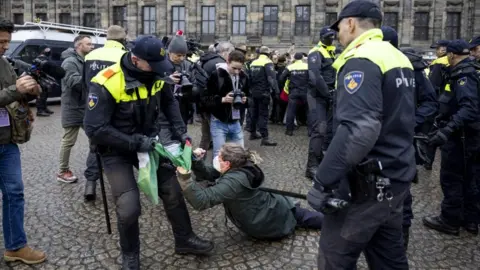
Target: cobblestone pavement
[{"x": 73, "y": 232}]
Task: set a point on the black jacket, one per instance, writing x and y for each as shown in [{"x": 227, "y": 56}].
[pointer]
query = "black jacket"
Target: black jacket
[
  {"x": 209, "y": 62},
  {"x": 212, "y": 97}
]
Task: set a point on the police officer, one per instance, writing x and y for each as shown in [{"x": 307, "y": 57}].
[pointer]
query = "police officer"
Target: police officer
[
  {"x": 374, "y": 123},
  {"x": 41, "y": 103},
  {"x": 123, "y": 105},
  {"x": 263, "y": 84},
  {"x": 475, "y": 48},
  {"x": 459, "y": 136},
  {"x": 300, "y": 82},
  {"x": 320, "y": 60},
  {"x": 426, "y": 109},
  {"x": 95, "y": 61}
]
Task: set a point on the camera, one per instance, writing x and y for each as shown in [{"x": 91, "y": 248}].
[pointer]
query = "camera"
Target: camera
[
  {"x": 44, "y": 72},
  {"x": 237, "y": 99}
]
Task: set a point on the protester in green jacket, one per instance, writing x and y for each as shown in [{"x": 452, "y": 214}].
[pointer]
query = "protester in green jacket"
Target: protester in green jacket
[{"x": 257, "y": 213}]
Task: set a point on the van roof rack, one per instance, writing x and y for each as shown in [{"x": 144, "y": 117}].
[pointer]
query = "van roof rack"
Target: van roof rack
[{"x": 76, "y": 30}]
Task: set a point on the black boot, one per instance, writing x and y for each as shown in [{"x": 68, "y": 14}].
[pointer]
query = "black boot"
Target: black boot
[
  {"x": 130, "y": 261},
  {"x": 438, "y": 224},
  {"x": 193, "y": 245},
  {"x": 42, "y": 114},
  {"x": 267, "y": 142},
  {"x": 406, "y": 237},
  {"x": 312, "y": 165},
  {"x": 47, "y": 110},
  {"x": 90, "y": 191},
  {"x": 289, "y": 132},
  {"x": 471, "y": 227},
  {"x": 255, "y": 136}
]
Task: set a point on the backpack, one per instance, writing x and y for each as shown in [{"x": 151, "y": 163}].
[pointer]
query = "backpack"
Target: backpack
[{"x": 200, "y": 79}]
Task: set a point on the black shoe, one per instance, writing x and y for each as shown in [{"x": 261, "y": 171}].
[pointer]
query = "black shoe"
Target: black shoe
[
  {"x": 90, "y": 191},
  {"x": 289, "y": 132},
  {"x": 194, "y": 245},
  {"x": 438, "y": 224},
  {"x": 47, "y": 110},
  {"x": 42, "y": 114},
  {"x": 267, "y": 142},
  {"x": 247, "y": 129},
  {"x": 471, "y": 227},
  {"x": 130, "y": 261},
  {"x": 406, "y": 237},
  {"x": 310, "y": 172},
  {"x": 255, "y": 136},
  {"x": 427, "y": 167}
]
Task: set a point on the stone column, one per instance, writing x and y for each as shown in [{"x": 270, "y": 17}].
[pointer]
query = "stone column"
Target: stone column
[
  {"x": 132, "y": 15},
  {"x": 285, "y": 21},
  {"x": 438, "y": 12},
  {"x": 476, "y": 18}
]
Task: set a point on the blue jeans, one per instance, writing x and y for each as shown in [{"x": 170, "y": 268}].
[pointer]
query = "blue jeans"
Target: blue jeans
[
  {"x": 12, "y": 194},
  {"x": 225, "y": 132}
]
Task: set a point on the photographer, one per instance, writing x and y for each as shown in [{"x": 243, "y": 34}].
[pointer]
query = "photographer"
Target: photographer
[
  {"x": 257, "y": 213},
  {"x": 42, "y": 109},
  {"x": 13, "y": 93},
  {"x": 226, "y": 95}
]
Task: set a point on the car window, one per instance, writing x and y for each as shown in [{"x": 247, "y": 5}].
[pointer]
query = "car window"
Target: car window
[
  {"x": 29, "y": 53},
  {"x": 12, "y": 46}
]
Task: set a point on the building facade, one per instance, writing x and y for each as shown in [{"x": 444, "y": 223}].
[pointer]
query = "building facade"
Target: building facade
[{"x": 275, "y": 23}]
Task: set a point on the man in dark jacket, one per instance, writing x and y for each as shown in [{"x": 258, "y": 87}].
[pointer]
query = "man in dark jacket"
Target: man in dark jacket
[
  {"x": 41, "y": 104},
  {"x": 73, "y": 102},
  {"x": 226, "y": 87},
  {"x": 122, "y": 119}
]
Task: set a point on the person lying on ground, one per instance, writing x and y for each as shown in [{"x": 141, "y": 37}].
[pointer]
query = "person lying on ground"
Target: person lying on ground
[{"x": 237, "y": 178}]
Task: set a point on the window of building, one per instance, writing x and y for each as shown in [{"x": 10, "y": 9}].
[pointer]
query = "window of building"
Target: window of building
[
  {"x": 391, "y": 19},
  {"x": 42, "y": 16},
  {"x": 65, "y": 18},
  {"x": 302, "y": 20},
  {"x": 178, "y": 18},
  {"x": 149, "y": 20},
  {"x": 120, "y": 16},
  {"x": 270, "y": 20},
  {"x": 420, "y": 24},
  {"x": 18, "y": 18},
  {"x": 239, "y": 20},
  {"x": 208, "y": 20},
  {"x": 89, "y": 20},
  {"x": 453, "y": 25},
  {"x": 330, "y": 18}
]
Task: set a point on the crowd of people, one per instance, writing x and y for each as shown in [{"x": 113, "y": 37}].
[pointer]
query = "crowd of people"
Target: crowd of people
[{"x": 374, "y": 112}]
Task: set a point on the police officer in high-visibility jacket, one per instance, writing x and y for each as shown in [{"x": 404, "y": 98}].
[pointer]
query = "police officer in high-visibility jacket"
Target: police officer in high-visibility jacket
[
  {"x": 320, "y": 60},
  {"x": 123, "y": 107},
  {"x": 459, "y": 138},
  {"x": 263, "y": 83},
  {"x": 374, "y": 124},
  {"x": 300, "y": 81},
  {"x": 95, "y": 61},
  {"x": 438, "y": 66}
]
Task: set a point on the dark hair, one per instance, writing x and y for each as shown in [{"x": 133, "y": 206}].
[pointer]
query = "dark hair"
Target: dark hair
[
  {"x": 78, "y": 38},
  {"x": 282, "y": 58},
  {"x": 236, "y": 56},
  {"x": 6, "y": 26},
  {"x": 237, "y": 155}
]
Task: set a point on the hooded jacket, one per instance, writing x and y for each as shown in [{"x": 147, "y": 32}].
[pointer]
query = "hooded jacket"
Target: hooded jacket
[
  {"x": 218, "y": 86},
  {"x": 73, "y": 90},
  {"x": 257, "y": 213},
  {"x": 209, "y": 62}
]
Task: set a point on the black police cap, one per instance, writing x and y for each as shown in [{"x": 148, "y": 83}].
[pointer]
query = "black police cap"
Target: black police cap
[
  {"x": 474, "y": 42},
  {"x": 152, "y": 50},
  {"x": 440, "y": 43},
  {"x": 359, "y": 9},
  {"x": 458, "y": 46}
]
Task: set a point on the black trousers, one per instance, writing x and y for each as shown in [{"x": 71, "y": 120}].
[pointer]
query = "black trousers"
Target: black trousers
[
  {"x": 41, "y": 101},
  {"x": 119, "y": 171},
  {"x": 92, "y": 173},
  {"x": 259, "y": 114},
  {"x": 317, "y": 127},
  {"x": 374, "y": 228},
  {"x": 292, "y": 108}
]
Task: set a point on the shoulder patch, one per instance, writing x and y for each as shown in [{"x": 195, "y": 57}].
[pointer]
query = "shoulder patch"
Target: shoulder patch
[
  {"x": 92, "y": 101},
  {"x": 353, "y": 81},
  {"x": 462, "y": 81},
  {"x": 108, "y": 73}
]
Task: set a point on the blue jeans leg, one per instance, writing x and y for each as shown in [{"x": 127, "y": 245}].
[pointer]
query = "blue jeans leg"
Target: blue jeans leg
[
  {"x": 218, "y": 131},
  {"x": 308, "y": 219},
  {"x": 13, "y": 204},
  {"x": 235, "y": 134}
]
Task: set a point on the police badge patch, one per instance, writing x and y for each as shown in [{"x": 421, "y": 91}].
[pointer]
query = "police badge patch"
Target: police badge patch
[
  {"x": 353, "y": 80},
  {"x": 92, "y": 101},
  {"x": 462, "y": 81}
]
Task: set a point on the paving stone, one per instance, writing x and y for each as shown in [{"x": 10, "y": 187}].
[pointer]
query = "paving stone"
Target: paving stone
[{"x": 73, "y": 232}]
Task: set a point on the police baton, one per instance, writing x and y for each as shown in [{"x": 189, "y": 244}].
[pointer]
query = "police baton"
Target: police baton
[
  {"x": 104, "y": 194},
  {"x": 421, "y": 137},
  {"x": 333, "y": 202}
]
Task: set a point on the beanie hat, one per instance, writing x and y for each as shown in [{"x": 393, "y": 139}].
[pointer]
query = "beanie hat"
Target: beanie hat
[
  {"x": 390, "y": 35},
  {"x": 116, "y": 32},
  {"x": 298, "y": 56},
  {"x": 178, "y": 44}
]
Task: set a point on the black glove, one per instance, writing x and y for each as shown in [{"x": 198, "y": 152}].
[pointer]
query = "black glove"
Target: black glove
[
  {"x": 144, "y": 143},
  {"x": 318, "y": 200},
  {"x": 184, "y": 138},
  {"x": 440, "y": 137}
]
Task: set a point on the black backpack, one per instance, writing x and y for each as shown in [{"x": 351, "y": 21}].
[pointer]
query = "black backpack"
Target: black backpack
[{"x": 200, "y": 78}]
